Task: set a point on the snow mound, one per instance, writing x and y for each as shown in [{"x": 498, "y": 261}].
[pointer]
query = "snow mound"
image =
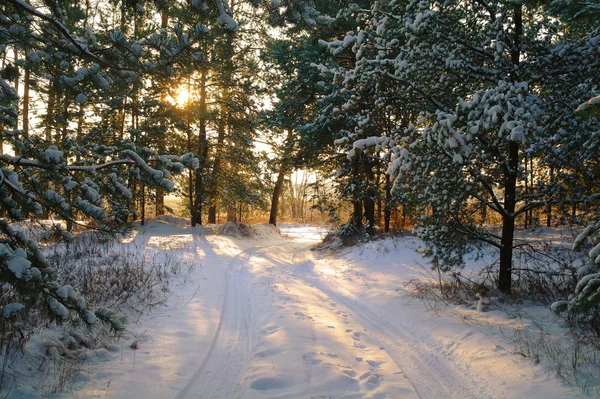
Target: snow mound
[
  {"x": 173, "y": 220},
  {"x": 235, "y": 229},
  {"x": 266, "y": 231},
  {"x": 240, "y": 230},
  {"x": 171, "y": 225}
]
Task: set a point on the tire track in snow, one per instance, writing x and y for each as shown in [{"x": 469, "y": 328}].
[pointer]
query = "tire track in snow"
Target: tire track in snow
[
  {"x": 231, "y": 349},
  {"x": 422, "y": 365}
]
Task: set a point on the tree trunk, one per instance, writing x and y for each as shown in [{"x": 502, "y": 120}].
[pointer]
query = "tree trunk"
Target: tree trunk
[
  {"x": 26, "y": 103},
  {"x": 510, "y": 185},
  {"x": 1, "y": 124},
  {"x": 283, "y": 170},
  {"x": 17, "y": 81},
  {"x": 508, "y": 220},
  {"x": 369, "y": 198},
  {"x": 203, "y": 152},
  {"x": 214, "y": 184},
  {"x": 549, "y": 206},
  {"x": 50, "y": 112},
  {"x": 357, "y": 214},
  {"x": 232, "y": 213},
  {"x": 275, "y": 197},
  {"x": 526, "y": 221},
  {"x": 387, "y": 213}
]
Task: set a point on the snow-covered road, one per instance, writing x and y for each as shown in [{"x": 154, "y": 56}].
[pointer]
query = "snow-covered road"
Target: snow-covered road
[{"x": 278, "y": 320}]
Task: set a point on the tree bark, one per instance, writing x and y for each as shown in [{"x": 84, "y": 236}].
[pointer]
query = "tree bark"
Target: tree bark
[
  {"x": 549, "y": 206},
  {"x": 387, "y": 213},
  {"x": 357, "y": 214},
  {"x": 160, "y": 194},
  {"x": 214, "y": 184},
  {"x": 275, "y": 197},
  {"x": 510, "y": 179},
  {"x": 26, "y": 85},
  {"x": 283, "y": 170},
  {"x": 203, "y": 152},
  {"x": 17, "y": 81},
  {"x": 369, "y": 196},
  {"x": 508, "y": 220}
]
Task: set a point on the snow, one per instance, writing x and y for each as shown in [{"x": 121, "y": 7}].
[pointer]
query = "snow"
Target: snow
[
  {"x": 19, "y": 264},
  {"x": 11, "y": 309},
  {"x": 267, "y": 316}
]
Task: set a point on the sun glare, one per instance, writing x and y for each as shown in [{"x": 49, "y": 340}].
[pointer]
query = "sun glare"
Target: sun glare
[{"x": 182, "y": 95}]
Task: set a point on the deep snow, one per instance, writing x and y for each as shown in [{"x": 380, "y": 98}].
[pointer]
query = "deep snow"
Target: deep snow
[{"x": 267, "y": 317}]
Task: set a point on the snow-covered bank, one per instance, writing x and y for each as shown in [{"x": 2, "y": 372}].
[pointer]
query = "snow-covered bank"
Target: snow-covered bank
[{"x": 267, "y": 317}]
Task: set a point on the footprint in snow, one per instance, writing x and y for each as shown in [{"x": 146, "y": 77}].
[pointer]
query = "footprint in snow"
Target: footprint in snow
[
  {"x": 268, "y": 383},
  {"x": 359, "y": 359},
  {"x": 309, "y": 357},
  {"x": 350, "y": 373},
  {"x": 373, "y": 363},
  {"x": 269, "y": 330},
  {"x": 374, "y": 381}
]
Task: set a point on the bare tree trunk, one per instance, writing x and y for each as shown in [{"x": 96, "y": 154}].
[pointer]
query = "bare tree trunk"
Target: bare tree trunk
[
  {"x": 188, "y": 117},
  {"x": 160, "y": 194},
  {"x": 276, "y": 194},
  {"x": 387, "y": 213},
  {"x": 549, "y": 206},
  {"x": 214, "y": 184},
  {"x": 369, "y": 198},
  {"x": 526, "y": 221},
  {"x": 1, "y": 124},
  {"x": 203, "y": 152},
  {"x": 26, "y": 103},
  {"x": 50, "y": 111},
  {"x": 17, "y": 80}
]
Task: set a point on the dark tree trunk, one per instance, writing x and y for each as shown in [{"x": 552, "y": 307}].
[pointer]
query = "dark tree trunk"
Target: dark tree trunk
[
  {"x": 203, "y": 152},
  {"x": 276, "y": 195},
  {"x": 214, "y": 184},
  {"x": 526, "y": 221},
  {"x": 369, "y": 198},
  {"x": 285, "y": 165},
  {"x": 387, "y": 214},
  {"x": 510, "y": 178},
  {"x": 508, "y": 220},
  {"x": 26, "y": 103},
  {"x": 17, "y": 80},
  {"x": 549, "y": 206},
  {"x": 357, "y": 214},
  {"x": 160, "y": 194}
]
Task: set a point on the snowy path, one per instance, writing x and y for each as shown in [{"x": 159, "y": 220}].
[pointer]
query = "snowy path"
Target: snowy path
[
  {"x": 231, "y": 348},
  {"x": 271, "y": 319},
  {"x": 302, "y": 352},
  {"x": 430, "y": 375}
]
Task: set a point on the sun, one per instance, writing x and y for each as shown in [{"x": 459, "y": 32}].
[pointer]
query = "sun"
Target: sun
[{"x": 182, "y": 96}]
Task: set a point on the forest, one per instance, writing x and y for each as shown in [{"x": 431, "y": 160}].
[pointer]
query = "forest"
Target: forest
[{"x": 470, "y": 124}]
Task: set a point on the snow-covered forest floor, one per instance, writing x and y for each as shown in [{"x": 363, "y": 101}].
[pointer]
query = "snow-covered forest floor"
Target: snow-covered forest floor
[{"x": 268, "y": 317}]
